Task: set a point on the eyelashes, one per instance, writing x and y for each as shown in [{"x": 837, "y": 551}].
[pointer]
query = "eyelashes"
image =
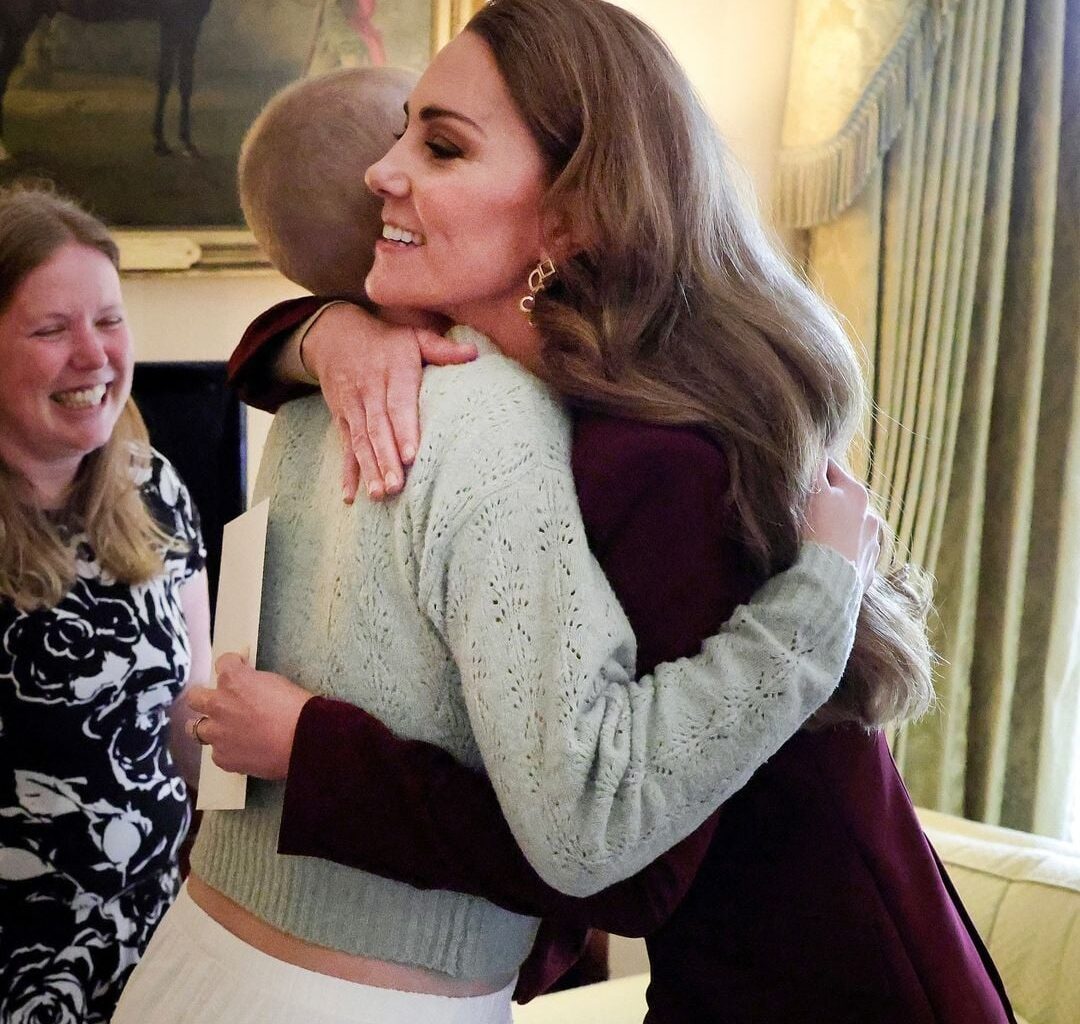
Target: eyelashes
[
  {"x": 439, "y": 148},
  {"x": 443, "y": 150}
]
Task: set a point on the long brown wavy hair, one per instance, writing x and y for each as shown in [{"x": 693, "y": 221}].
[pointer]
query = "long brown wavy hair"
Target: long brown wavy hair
[
  {"x": 678, "y": 308},
  {"x": 37, "y": 560}
]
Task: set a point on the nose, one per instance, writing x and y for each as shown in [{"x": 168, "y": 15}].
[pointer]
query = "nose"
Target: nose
[
  {"x": 386, "y": 177},
  {"x": 88, "y": 352}
]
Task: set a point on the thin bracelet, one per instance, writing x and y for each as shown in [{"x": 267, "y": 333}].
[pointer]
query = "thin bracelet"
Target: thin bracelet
[{"x": 312, "y": 379}]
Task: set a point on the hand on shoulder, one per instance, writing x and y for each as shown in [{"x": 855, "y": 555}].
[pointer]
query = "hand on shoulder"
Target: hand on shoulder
[{"x": 370, "y": 373}]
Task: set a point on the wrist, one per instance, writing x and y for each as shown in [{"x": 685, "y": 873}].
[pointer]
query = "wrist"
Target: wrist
[
  {"x": 335, "y": 320},
  {"x": 312, "y": 347}
]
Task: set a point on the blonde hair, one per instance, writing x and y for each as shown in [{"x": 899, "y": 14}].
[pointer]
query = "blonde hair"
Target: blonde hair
[
  {"x": 301, "y": 175},
  {"x": 677, "y": 308},
  {"x": 37, "y": 559}
]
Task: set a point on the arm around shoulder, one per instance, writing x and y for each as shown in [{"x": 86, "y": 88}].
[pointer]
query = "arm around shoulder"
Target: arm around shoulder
[{"x": 597, "y": 772}]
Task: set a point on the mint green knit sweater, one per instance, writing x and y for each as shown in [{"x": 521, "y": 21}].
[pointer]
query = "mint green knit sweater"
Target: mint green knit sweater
[{"x": 469, "y": 612}]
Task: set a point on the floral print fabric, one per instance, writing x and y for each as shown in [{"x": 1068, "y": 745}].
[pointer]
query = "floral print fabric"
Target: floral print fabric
[{"x": 92, "y": 808}]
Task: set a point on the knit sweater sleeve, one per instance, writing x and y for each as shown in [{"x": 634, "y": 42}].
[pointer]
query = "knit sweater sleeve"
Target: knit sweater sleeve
[{"x": 597, "y": 772}]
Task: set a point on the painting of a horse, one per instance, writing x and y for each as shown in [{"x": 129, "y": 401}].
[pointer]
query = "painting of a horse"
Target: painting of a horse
[
  {"x": 79, "y": 104},
  {"x": 179, "y": 22}
]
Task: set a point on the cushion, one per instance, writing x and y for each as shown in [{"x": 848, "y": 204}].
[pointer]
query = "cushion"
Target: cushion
[{"x": 1023, "y": 893}]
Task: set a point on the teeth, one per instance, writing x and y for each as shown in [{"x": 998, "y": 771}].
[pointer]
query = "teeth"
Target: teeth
[
  {"x": 82, "y": 399},
  {"x": 396, "y": 234}
]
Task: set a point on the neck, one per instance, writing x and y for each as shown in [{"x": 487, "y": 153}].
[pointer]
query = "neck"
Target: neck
[
  {"x": 509, "y": 329},
  {"x": 45, "y": 484},
  {"x": 413, "y": 318}
]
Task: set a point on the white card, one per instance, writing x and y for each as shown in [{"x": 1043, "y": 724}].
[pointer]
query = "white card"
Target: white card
[{"x": 236, "y": 628}]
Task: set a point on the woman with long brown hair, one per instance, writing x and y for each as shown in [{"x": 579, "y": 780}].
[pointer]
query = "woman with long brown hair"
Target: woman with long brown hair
[
  {"x": 104, "y": 617},
  {"x": 813, "y": 894},
  {"x": 470, "y": 612},
  {"x": 495, "y": 182}
]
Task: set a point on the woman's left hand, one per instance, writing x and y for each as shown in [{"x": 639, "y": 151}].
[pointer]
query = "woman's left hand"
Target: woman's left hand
[
  {"x": 250, "y": 718},
  {"x": 370, "y": 373}
]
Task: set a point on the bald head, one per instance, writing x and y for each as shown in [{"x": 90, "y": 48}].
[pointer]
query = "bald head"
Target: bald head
[{"x": 302, "y": 169}]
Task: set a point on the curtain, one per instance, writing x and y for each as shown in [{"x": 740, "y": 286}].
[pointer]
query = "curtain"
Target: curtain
[{"x": 954, "y": 256}]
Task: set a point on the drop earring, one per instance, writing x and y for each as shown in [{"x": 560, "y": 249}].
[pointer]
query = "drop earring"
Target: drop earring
[{"x": 539, "y": 276}]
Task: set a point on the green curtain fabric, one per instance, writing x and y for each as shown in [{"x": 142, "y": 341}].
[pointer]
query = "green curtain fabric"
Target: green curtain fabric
[{"x": 957, "y": 269}]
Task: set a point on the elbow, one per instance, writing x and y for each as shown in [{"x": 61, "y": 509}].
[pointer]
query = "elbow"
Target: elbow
[
  {"x": 562, "y": 864},
  {"x": 654, "y": 907},
  {"x": 573, "y": 873},
  {"x": 581, "y": 885}
]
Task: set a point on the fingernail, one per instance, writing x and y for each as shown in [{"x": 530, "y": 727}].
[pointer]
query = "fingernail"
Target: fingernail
[
  {"x": 409, "y": 453},
  {"x": 374, "y": 489},
  {"x": 392, "y": 481}
]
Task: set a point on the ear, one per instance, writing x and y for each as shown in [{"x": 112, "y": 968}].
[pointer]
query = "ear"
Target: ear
[{"x": 560, "y": 239}]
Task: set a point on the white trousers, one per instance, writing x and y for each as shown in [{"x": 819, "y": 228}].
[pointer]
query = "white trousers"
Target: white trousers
[{"x": 196, "y": 972}]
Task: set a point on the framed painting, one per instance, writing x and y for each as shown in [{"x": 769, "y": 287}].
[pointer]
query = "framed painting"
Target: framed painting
[{"x": 137, "y": 107}]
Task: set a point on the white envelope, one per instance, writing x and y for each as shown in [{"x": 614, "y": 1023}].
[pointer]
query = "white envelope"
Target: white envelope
[{"x": 236, "y": 628}]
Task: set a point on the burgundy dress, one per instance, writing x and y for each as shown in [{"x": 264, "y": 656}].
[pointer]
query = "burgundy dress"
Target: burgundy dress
[{"x": 810, "y": 896}]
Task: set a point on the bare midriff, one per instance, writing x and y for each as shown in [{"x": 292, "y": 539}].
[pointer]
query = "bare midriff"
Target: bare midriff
[{"x": 334, "y": 963}]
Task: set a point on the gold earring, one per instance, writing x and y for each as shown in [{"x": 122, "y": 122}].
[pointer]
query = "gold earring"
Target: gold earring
[{"x": 539, "y": 276}]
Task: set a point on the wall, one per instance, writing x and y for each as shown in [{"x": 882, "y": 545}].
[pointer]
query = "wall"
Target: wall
[
  {"x": 737, "y": 54},
  {"x": 201, "y": 316}
]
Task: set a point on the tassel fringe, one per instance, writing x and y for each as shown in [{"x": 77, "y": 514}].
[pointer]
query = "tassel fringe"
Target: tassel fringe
[{"x": 815, "y": 184}]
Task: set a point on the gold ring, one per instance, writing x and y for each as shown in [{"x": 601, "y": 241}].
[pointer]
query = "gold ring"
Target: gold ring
[{"x": 193, "y": 728}]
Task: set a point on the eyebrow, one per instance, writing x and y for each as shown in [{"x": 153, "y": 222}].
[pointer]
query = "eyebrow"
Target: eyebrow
[
  {"x": 60, "y": 314},
  {"x": 433, "y": 113}
]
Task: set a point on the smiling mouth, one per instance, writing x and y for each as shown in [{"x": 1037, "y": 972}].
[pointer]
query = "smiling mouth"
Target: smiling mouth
[
  {"x": 392, "y": 233},
  {"x": 81, "y": 398}
]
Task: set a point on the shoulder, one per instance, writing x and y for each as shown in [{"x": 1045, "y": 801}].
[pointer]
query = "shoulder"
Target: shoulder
[
  {"x": 492, "y": 380},
  {"x": 494, "y": 456},
  {"x": 159, "y": 482},
  {"x": 169, "y": 501},
  {"x": 493, "y": 401},
  {"x": 627, "y": 469},
  {"x": 490, "y": 412},
  {"x": 665, "y": 452}
]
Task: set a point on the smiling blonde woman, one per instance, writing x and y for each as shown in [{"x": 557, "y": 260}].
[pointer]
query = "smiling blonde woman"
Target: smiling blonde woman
[{"x": 104, "y": 618}]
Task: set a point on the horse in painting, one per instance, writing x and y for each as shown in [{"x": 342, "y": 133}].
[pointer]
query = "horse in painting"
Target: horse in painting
[{"x": 179, "y": 22}]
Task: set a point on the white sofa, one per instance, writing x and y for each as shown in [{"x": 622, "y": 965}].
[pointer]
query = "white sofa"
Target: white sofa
[{"x": 1022, "y": 891}]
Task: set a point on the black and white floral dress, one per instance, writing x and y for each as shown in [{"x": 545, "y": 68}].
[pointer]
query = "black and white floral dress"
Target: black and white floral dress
[{"x": 92, "y": 809}]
